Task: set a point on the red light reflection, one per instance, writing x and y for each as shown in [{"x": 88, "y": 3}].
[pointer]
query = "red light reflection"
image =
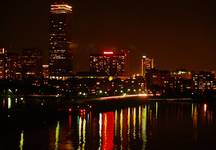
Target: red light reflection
[
  {"x": 82, "y": 113},
  {"x": 107, "y": 131}
]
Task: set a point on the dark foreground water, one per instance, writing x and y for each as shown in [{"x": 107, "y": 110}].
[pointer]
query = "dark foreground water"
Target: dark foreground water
[{"x": 147, "y": 125}]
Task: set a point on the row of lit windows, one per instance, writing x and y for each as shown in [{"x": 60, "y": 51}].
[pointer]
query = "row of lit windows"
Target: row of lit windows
[
  {"x": 108, "y": 61},
  {"x": 54, "y": 48},
  {"x": 59, "y": 57},
  {"x": 52, "y": 35},
  {"x": 59, "y": 51},
  {"x": 107, "y": 64}
]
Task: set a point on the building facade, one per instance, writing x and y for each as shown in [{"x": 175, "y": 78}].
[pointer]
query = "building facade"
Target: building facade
[
  {"x": 31, "y": 61},
  {"x": 108, "y": 63},
  {"x": 60, "y": 55},
  {"x": 13, "y": 67},
  {"x": 10, "y": 65},
  {"x": 203, "y": 81}
]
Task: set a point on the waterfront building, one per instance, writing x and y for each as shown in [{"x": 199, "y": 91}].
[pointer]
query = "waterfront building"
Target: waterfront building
[
  {"x": 182, "y": 74},
  {"x": 169, "y": 83},
  {"x": 203, "y": 81},
  {"x": 157, "y": 80}
]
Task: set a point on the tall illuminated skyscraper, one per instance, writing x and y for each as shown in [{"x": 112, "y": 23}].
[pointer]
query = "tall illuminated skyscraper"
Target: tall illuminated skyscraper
[{"x": 60, "y": 56}]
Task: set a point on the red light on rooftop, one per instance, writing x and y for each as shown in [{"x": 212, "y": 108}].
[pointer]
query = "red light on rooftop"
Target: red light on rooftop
[{"x": 108, "y": 53}]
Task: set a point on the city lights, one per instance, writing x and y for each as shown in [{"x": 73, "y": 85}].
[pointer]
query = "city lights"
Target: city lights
[
  {"x": 61, "y": 8},
  {"x": 9, "y": 103},
  {"x": 205, "y": 107},
  {"x": 107, "y": 75},
  {"x": 108, "y": 53}
]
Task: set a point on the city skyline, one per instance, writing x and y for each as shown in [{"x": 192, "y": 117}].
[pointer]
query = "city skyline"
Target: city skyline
[
  {"x": 183, "y": 30},
  {"x": 107, "y": 75}
]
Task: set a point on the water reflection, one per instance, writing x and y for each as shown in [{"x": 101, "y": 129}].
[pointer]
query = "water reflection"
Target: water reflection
[
  {"x": 21, "y": 140},
  {"x": 107, "y": 131},
  {"x": 151, "y": 125},
  {"x": 144, "y": 125},
  {"x": 57, "y": 135},
  {"x": 81, "y": 120}
]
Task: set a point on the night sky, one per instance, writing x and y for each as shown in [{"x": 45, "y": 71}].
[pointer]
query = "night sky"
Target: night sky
[{"x": 176, "y": 33}]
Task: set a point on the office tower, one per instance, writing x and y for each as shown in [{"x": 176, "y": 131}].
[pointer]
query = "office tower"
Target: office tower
[
  {"x": 147, "y": 63},
  {"x": 108, "y": 63},
  {"x": 31, "y": 60},
  {"x": 60, "y": 57}
]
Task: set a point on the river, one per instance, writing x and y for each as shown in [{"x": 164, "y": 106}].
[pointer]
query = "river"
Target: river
[{"x": 146, "y": 125}]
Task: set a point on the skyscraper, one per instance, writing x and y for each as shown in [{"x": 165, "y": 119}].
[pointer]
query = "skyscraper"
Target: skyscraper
[{"x": 60, "y": 57}]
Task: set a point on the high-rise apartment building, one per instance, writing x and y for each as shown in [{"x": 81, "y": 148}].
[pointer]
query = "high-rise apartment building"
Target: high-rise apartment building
[
  {"x": 60, "y": 57},
  {"x": 108, "y": 63}
]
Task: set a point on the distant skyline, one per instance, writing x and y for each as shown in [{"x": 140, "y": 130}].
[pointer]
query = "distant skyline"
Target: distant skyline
[{"x": 176, "y": 33}]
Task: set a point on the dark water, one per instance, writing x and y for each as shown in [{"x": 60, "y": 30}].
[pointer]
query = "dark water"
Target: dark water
[{"x": 149, "y": 125}]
